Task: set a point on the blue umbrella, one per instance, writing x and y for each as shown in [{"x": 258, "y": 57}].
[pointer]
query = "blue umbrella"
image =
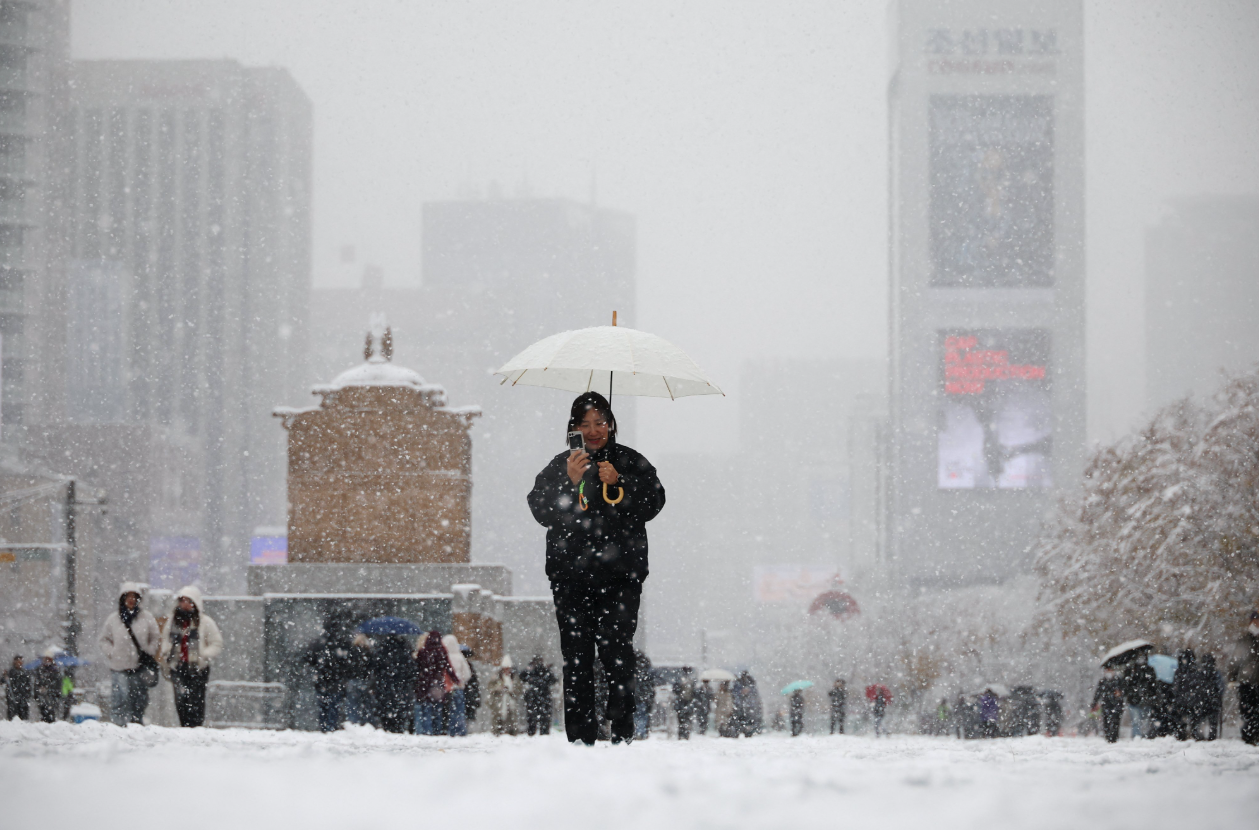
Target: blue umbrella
[
  {"x": 389, "y": 625},
  {"x": 1164, "y": 666},
  {"x": 798, "y": 686},
  {"x": 63, "y": 659}
]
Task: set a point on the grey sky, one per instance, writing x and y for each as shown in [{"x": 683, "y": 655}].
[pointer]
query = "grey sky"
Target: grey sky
[{"x": 748, "y": 139}]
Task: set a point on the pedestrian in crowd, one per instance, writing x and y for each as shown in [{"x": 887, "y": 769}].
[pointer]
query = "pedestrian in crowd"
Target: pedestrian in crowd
[
  {"x": 779, "y": 721},
  {"x": 964, "y": 718},
  {"x": 749, "y": 712},
  {"x": 472, "y": 689},
  {"x": 17, "y": 691},
  {"x": 538, "y": 680},
  {"x": 684, "y": 702},
  {"x": 944, "y": 717},
  {"x": 1215, "y": 697},
  {"x": 190, "y": 643},
  {"x": 359, "y": 706},
  {"x": 393, "y": 672},
  {"x": 595, "y": 504},
  {"x": 644, "y": 695},
  {"x": 838, "y": 694},
  {"x": 129, "y": 639},
  {"x": 879, "y": 700},
  {"x": 48, "y": 686},
  {"x": 989, "y": 714},
  {"x": 723, "y": 710},
  {"x": 1191, "y": 691},
  {"x": 335, "y": 661},
  {"x": 1053, "y": 713},
  {"x": 795, "y": 704},
  {"x": 1108, "y": 696},
  {"x": 1141, "y": 691},
  {"x": 703, "y": 704},
  {"x": 434, "y": 678},
  {"x": 1243, "y": 669},
  {"x": 503, "y": 698},
  {"x": 455, "y": 713}
]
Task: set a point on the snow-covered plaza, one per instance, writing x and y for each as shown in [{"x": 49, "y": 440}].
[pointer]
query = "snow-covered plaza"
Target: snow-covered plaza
[{"x": 104, "y": 777}]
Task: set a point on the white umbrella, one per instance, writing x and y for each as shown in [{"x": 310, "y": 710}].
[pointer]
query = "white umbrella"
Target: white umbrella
[
  {"x": 1113, "y": 656},
  {"x": 717, "y": 675},
  {"x": 609, "y": 359}
]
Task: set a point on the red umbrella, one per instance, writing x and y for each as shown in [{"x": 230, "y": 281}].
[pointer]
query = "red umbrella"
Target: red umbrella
[{"x": 876, "y": 689}]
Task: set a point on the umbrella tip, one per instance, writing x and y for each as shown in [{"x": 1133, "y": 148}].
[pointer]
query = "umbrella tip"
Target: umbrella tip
[{"x": 614, "y": 318}]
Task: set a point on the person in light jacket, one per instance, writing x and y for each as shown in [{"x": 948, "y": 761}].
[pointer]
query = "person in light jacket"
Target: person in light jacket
[
  {"x": 190, "y": 643},
  {"x": 503, "y": 695},
  {"x": 455, "y": 716},
  {"x": 126, "y": 633}
]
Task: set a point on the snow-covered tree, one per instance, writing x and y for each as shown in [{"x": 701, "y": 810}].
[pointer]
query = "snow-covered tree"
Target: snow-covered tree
[{"x": 1164, "y": 541}]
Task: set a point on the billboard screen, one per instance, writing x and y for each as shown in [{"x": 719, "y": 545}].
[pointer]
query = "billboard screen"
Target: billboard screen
[
  {"x": 992, "y": 191},
  {"x": 995, "y": 415}
]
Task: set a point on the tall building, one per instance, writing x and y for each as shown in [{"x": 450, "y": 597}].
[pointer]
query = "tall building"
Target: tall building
[
  {"x": 987, "y": 282},
  {"x": 1201, "y": 296},
  {"x": 34, "y": 61},
  {"x": 188, "y": 246}
]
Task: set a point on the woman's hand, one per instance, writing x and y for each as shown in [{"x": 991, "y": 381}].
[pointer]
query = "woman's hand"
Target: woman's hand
[
  {"x": 608, "y": 473},
  {"x": 578, "y": 463}
]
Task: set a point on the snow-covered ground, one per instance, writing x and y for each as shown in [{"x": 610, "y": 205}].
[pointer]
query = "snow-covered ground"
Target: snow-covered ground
[{"x": 101, "y": 777}]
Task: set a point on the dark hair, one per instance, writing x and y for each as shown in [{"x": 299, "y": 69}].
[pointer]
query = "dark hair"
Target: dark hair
[{"x": 587, "y": 401}]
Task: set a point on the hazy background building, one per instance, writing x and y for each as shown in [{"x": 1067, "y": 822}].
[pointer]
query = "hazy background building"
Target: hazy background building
[
  {"x": 987, "y": 282},
  {"x": 1201, "y": 295},
  {"x": 188, "y": 201}
]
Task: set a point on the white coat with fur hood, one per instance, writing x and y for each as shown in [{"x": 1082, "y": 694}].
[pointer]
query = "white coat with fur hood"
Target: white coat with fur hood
[
  {"x": 463, "y": 672},
  {"x": 209, "y": 642},
  {"x": 120, "y": 652}
]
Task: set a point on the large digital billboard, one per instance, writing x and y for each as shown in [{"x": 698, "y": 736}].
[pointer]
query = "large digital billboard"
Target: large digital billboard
[
  {"x": 992, "y": 191},
  {"x": 996, "y": 415}
]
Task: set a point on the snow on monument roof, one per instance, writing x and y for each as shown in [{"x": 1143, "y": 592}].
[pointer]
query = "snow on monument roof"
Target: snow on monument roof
[{"x": 378, "y": 372}]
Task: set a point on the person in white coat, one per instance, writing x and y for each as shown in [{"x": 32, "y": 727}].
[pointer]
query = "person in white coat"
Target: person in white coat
[
  {"x": 456, "y": 714},
  {"x": 190, "y": 643},
  {"x": 125, "y": 634}
]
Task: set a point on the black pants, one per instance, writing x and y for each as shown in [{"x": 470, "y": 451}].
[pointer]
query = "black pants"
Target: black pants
[
  {"x": 1110, "y": 724},
  {"x": 1248, "y": 703},
  {"x": 538, "y": 716},
  {"x": 189, "y": 683},
  {"x": 18, "y": 707},
  {"x": 603, "y": 618},
  {"x": 837, "y": 720}
]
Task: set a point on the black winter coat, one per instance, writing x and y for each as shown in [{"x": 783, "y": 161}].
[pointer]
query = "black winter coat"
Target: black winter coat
[{"x": 605, "y": 544}]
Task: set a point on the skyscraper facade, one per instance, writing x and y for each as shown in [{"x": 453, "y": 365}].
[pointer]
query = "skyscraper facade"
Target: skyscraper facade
[
  {"x": 1201, "y": 296},
  {"x": 34, "y": 62},
  {"x": 188, "y": 272},
  {"x": 987, "y": 282}
]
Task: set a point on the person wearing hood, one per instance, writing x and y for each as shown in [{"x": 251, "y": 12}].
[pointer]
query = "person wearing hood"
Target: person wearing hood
[
  {"x": 538, "y": 679},
  {"x": 503, "y": 698},
  {"x": 1243, "y": 669},
  {"x": 47, "y": 685},
  {"x": 190, "y": 643},
  {"x": 129, "y": 640},
  {"x": 595, "y": 503},
  {"x": 434, "y": 678},
  {"x": 747, "y": 705},
  {"x": 17, "y": 691},
  {"x": 472, "y": 691}
]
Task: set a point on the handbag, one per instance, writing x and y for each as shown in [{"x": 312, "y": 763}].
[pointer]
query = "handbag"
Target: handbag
[{"x": 147, "y": 670}]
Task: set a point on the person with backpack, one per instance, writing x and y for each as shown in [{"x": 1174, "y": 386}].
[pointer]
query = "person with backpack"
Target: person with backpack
[{"x": 129, "y": 639}]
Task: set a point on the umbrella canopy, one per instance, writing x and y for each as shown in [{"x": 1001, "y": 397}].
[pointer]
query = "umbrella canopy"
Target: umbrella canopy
[
  {"x": 63, "y": 659},
  {"x": 389, "y": 625},
  {"x": 798, "y": 686},
  {"x": 873, "y": 690},
  {"x": 609, "y": 359},
  {"x": 718, "y": 675},
  {"x": 1124, "y": 652},
  {"x": 1164, "y": 666}
]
